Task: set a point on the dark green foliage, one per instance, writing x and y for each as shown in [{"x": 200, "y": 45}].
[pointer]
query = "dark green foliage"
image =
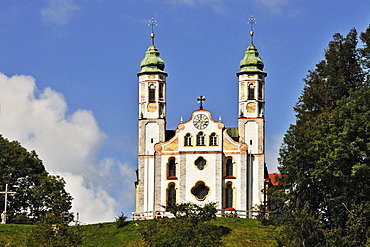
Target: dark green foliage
[
  {"x": 301, "y": 228},
  {"x": 365, "y": 53},
  {"x": 121, "y": 220},
  {"x": 22, "y": 219},
  {"x": 53, "y": 231},
  {"x": 37, "y": 192},
  {"x": 193, "y": 212},
  {"x": 244, "y": 232},
  {"x": 181, "y": 232},
  {"x": 191, "y": 227},
  {"x": 325, "y": 156},
  {"x": 333, "y": 78}
]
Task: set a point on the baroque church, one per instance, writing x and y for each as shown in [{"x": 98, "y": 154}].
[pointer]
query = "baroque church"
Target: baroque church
[{"x": 202, "y": 160}]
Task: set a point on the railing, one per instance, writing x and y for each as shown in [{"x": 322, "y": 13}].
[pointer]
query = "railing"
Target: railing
[{"x": 148, "y": 215}]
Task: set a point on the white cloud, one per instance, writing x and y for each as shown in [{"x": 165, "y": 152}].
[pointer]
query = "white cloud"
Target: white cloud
[
  {"x": 68, "y": 145},
  {"x": 59, "y": 11}
]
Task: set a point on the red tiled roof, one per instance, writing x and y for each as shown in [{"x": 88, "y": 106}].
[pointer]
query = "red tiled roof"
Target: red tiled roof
[{"x": 272, "y": 177}]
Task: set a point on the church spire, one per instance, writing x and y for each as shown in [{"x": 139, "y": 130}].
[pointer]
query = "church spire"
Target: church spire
[
  {"x": 152, "y": 62},
  {"x": 251, "y": 63}
]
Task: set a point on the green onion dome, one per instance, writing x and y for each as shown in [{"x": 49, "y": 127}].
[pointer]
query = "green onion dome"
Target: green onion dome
[
  {"x": 251, "y": 63},
  {"x": 152, "y": 62}
]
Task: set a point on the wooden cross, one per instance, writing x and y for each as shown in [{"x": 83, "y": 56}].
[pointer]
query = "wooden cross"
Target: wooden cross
[
  {"x": 6, "y": 192},
  {"x": 201, "y": 99}
]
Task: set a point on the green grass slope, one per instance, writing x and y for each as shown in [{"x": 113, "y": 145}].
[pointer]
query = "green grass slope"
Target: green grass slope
[{"x": 244, "y": 232}]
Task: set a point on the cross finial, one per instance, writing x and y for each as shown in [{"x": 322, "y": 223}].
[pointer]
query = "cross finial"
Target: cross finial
[
  {"x": 152, "y": 23},
  {"x": 251, "y": 21},
  {"x": 201, "y": 99}
]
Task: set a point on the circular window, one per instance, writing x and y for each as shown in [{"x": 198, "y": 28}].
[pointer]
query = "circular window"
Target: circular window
[{"x": 200, "y": 191}]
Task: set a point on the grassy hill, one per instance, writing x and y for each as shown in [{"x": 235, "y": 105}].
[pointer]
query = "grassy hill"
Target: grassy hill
[{"x": 244, "y": 232}]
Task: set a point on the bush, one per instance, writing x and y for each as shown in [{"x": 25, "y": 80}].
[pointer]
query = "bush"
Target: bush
[
  {"x": 21, "y": 219},
  {"x": 191, "y": 227},
  {"x": 121, "y": 220},
  {"x": 52, "y": 231}
]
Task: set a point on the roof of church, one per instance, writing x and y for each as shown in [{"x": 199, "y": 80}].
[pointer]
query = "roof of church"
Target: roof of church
[
  {"x": 152, "y": 62},
  {"x": 251, "y": 63}
]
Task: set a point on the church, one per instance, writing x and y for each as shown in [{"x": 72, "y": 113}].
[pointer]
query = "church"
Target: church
[{"x": 202, "y": 160}]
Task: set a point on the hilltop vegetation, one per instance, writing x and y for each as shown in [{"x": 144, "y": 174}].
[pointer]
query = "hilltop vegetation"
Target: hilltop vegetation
[{"x": 243, "y": 232}]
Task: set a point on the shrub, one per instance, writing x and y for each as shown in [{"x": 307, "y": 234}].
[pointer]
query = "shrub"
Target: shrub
[{"x": 121, "y": 220}]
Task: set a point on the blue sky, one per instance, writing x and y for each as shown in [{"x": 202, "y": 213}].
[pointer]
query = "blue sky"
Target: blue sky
[{"x": 70, "y": 90}]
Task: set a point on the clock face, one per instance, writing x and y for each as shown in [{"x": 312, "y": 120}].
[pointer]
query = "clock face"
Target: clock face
[{"x": 200, "y": 121}]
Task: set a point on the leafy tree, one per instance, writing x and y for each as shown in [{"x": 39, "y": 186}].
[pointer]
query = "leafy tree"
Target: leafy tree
[
  {"x": 37, "y": 192},
  {"x": 53, "y": 231},
  {"x": 325, "y": 156},
  {"x": 191, "y": 227},
  {"x": 193, "y": 212}
]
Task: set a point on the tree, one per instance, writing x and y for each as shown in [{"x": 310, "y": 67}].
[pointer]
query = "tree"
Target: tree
[
  {"x": 333, "y": 78},
  {"x": 191, "y": 227},
  {"x": 37, "y": 192},
  {"x": 325, "y": 155},
  {"x": 193, "y": 212}
]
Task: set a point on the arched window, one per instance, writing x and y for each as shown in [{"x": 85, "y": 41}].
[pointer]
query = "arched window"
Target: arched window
[
  {"x": 200, "y": 139},
  {"x": 200, "y": 163},
  {"x": 229, "y": 168},
  {"x": 229, "y": 196},
  {"x": 171, "y": 195},
  {"x": 260, "y": 91},
  {"x": 172, "y": 167},
  {"x": 151, "y": 93},
  {"x": 213, "y": 139},
  {"x": 161, "y": 91},
  {"x": 251, "y": 91},
  {"x": 188, "y": 140}
]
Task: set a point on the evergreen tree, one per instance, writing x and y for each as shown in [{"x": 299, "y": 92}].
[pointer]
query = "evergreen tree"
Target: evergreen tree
[{"x": 325, "y": 156}]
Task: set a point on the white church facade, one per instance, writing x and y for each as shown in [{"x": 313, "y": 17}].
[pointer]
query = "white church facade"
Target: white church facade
[{"x": 202, "y": 160}]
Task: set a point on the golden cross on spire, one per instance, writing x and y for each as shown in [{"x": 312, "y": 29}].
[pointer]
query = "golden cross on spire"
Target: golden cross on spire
[
  {"x": 251, "y": 21},
  {"x": 152, "y": 23}
]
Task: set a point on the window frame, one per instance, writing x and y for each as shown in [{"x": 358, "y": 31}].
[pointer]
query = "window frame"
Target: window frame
[
  {"x": 213, "y": 139},
  {"x": 188, "y": 140},
  {"x": 201, "y": 139},
  {"x": 151, "y": 93},
  {"x": 251, "y": 91},
  {"x": 171, "y": 168},
  {"x": 171, "y": 194}
]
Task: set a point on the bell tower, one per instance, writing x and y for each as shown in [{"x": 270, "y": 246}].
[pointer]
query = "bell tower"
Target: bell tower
[
  {"x": 152, "y": 121},
  {"x": 251, "y": 118}
]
